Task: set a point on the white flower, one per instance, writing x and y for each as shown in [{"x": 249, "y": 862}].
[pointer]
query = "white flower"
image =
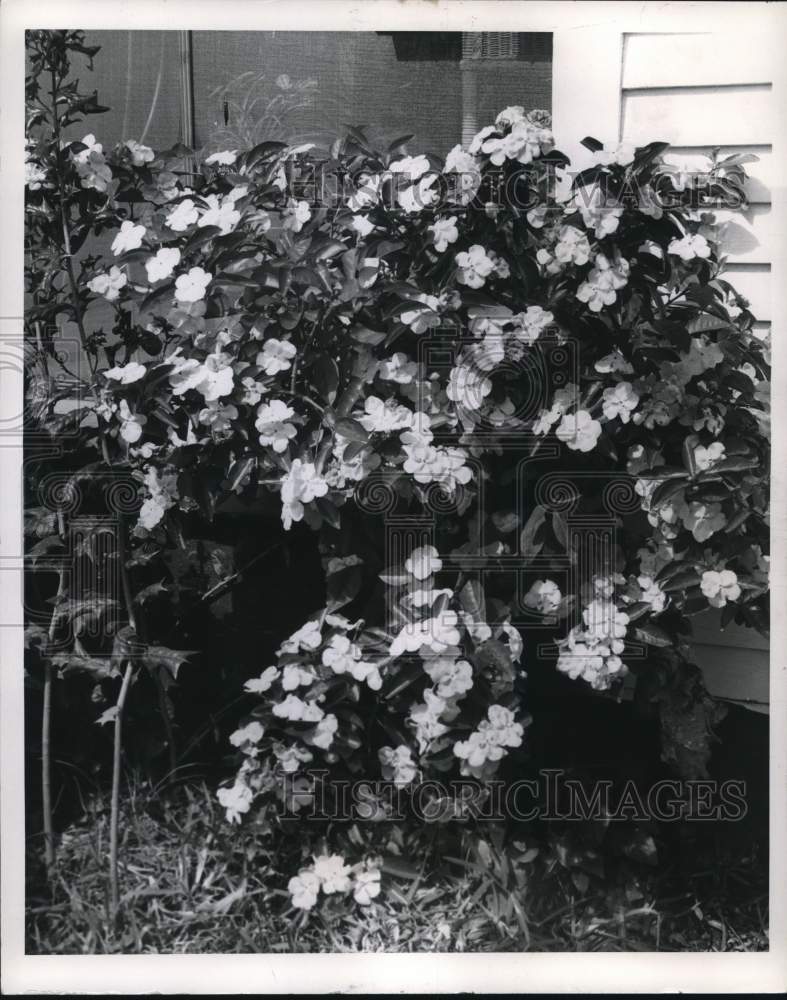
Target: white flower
[
  {"x": 218, "y": 417},
  {"x": 235, "y": 800},
  {"x": 572, "y": 246},
  {"x": 561, "y": 401},
  {"x": 163, "y": 264},
  {"x": 531, "y": 323},
  {"x": 478, "y": 139},
  {"x": 303, "y": 889},
  {"x": 261, "y": 684},
  {"x": 126, "y": 374},
  {"x": 108, "y": 283},
  {"x": 690, "y": 247},
  {"x": 300, "y": 485},
  {"x": 603, "y": 282},
  {"x": 293, "y": 677},
  {"x": 273, "y": 425},
  {"x": 191, "y": 287},
  {"x": 333, "y": 873},
  {"x": 429, "y": 464},
  {"x": 343, "y": 656},
  {"x": 217, "y": 377},
  {"x": 603, "y": 621},
  {"x": 523, "y": 143},
  {"x": 163, "y": 492},
  {"x": 421, "y": 319},
  {"x": 250, "y": 733},
  {"x": 474, "y": 266},
  {"x": 579, "y": 431},
  {"x": 253, "y": 391},
  {"x": 412, "y": 167},
  {"x": 213, "y": 379},
  {"x": 398, "y": 368},
  {"x": 323, "y": 733},
  {"x": 452, "y": 677},
  {"x": 619, "y": 401},
  {"x": 367, "y": 886},
  {"x": 362, "y": 225},
  {"x": 398, "y": 765},
  {"x": 35, "y": 175},
  {"x": 130, "y": 423},
  {"x": 425, "y": 719},
  {"x": 128, "y": 238},
  {"x": 307, "y": 637},
  {"x": 296, "y": 214},
  {"x": 478, "y": 749},
  {"x": 720, "y": 587},
  {"x": 652, "y": 594},
  {"x": 704, "y": 458},
  {"x": 547, "y": 261},
  {"x": 276, "y": 356},
  {"x": 622, "y": 154},
  {"x": 598, "y": 213},
  {"x": 423, "y": 562},
  {"x": 614, "y": 362},
  {"x": 437, "y": 634},
  {"x": 91, "y": 165},
  {"x": 291, "y": 758},
  {"x": 465, "y": 173},
  {"x": 595, "y": 665},
  {"x": 467, "y": 387},
  {"x": 419, "y": 195},
  {"x": 538, "y": 216},
  {"x": 224, "y": 158},
  {"x": 703, "y": 519},
  {"x": 185, "y": 215},
  {"x": 384, "y": 417},
  {"x": 219, "y": 213},
  {"x": 367, "y": 194},
  {"x": 544, "y": 596},
  {"x": 444, "y": 231},
  {"x": 510, "y": 115},
  {"x": 297, "y": 710},
  {"x": 490, "y": 742},
  {"x": 140, "y": 155}
]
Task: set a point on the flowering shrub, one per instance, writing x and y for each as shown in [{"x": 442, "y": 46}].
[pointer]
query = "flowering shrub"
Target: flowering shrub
[{"x": 273, "y": 316}]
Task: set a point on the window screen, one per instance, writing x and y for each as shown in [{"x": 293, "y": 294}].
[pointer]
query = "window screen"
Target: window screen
[{"x": 305, "y": 86}]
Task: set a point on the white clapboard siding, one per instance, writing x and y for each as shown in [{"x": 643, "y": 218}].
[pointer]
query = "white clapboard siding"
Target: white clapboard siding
[
  {"x": 696, "y": 59},
  {"x": 753, "y": 281},
  {"x": 699, "y": 91},
  {"x": 700, "y": 116},
  {"x": 749, "y": 236},
  {"x": 734, "y": 660}
]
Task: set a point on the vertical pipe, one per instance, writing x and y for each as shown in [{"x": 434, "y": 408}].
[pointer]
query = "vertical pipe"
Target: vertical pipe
[
  {"x": 470, "y": 53},
  {"x": 187, "y": 127}
]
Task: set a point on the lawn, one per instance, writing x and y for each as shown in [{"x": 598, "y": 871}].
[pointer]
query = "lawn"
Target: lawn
[{"x": 192, "y": 883}]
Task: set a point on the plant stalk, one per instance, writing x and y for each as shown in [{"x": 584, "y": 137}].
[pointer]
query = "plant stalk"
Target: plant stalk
[
  {"x": 46, "y": 722},
  {"x": 113, "y": 820}
]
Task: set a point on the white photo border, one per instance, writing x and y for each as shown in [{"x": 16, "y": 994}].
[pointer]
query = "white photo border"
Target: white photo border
[{"x": 387, "y": 973}]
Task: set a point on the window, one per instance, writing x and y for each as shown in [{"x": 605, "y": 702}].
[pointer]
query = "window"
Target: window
[{"x": 306, "y": 86}]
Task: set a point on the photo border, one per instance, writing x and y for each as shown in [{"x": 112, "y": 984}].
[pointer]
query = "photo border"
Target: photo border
[{"x": 583, "y": 32}]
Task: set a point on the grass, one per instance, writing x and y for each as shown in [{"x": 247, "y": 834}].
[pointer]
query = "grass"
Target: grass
[{"x": 190, "y": 883}]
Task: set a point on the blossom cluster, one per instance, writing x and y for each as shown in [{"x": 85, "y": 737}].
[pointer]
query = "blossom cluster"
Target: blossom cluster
[{"x": 329, "y": 874}]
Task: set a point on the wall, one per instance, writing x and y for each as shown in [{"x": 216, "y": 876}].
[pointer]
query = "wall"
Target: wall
[{"x": 696, "y": 91}]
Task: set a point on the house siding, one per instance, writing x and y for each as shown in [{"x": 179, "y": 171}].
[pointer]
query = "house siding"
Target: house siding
[{"x": 697, "y": 91}]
